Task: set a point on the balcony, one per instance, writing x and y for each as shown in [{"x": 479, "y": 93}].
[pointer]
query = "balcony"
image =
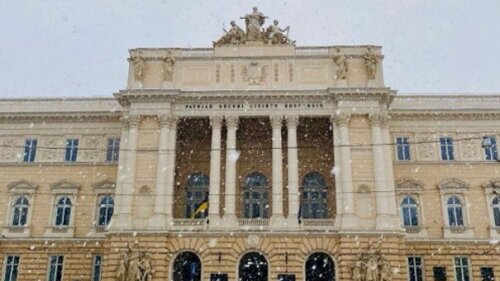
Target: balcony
[
  {"x": 187, "y": 224},
  {"x": 318, "y": 224}
]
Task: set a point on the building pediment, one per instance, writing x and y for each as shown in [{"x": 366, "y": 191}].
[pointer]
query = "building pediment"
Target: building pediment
[
  {"x": 65, "y": 186},
  {"x": 408, "y": 184},
  {"x": 22, "y": 186},
  {"x": 453, "y": 184},
  {"x": 104, "y": 186}
]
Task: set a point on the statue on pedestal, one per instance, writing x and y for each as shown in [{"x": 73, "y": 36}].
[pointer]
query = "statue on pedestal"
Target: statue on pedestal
[
  {"x": 254, "y": 22},
  {"x": 371, "y": 267},
  {"x": 340, "y": 62},
  {"x": 274, "y": 34},
  {"x": 138, "y": 62},
  {"x": 235, "y": 35},
  {"x": 371, "y": 61},
  {"x": 134, "y": 266}
]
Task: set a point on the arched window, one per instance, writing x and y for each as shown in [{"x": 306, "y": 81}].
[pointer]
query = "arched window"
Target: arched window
[
  {"x": 252, "y": 267},
  {"x": 20, "y": 211},
  {"x": 314, "y": 201},
  {"x": 495, "y": 204},
  {"x": 409, "y": 211},
  {"x": 187, "y": 267},
  {"x": 455, "y": 212},
  {"x": 106, "y": 209},
  {"x": 63, "y": 211},
  {"x": 256, "y": 196},
  {"x": 197, "y": 194},
  {"x": 320, "y": 267}
]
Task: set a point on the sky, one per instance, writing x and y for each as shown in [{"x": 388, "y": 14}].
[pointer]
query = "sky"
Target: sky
[{"x": 79, "y": 48}]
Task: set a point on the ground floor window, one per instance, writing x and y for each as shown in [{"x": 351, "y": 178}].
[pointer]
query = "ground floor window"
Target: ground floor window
[
  {"x": 96, "y": 268},
  {"x": 415, "y": 269},
  {"x": 11, "y": 268},
  {"x": 462, "y": 269},
  {"x": 320, "y": 267},
  {"x": 487, "y": 274},
  {"x": 253, "y": 267},
  {"x": 56, "y": 268},
  {"x": 187, "y": 267}
]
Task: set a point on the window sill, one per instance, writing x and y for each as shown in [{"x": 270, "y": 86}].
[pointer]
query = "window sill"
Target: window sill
[
  {"x": 494, "y": 232},
  {"x": 60, "y": 231},
  {"x": 16, "y": 231},
  {"x": 317, "y": 224},
  {"x": 465, "y": 231}
]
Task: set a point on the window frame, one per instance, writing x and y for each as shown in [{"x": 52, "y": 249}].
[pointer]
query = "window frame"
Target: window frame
[
  {"x": 449, "y": 151},
  {"x": 455, "y": 206},
  {"x": 94, "y": 265},
  {"x": 100, "y": 198},
  {"x": 493, "y": 149},
  {"x": 30, "y": 156},
  {"x": 250, "y": 202},
  {"x": 13, "y": 209},
  {"x": 406, "y": 148},
  {"x": 468, "y": 267},
  {"x": 492, "y": 191},
  {"x": 71, "y": 150},
  {"x": 192, "y": 204},
  {"x": 65, "y": 206},
  {"x": 421, "y": 267},
  {"x": 414, "y": 205},
  {"x": 455, "y": 187},
  {"x": 49, "y": 267},
  {"x": 7, "y": 265},
  {"x": 320, "y": 201},
  {"x": 113, "y": 150}
]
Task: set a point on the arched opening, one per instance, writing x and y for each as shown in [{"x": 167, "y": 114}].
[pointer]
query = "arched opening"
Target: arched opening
[
  {"x": 256, "y": 196},
  {"x": 320, "y": 267},
  {"x": 253, "y": 267},
  {"x": 186, "y": 267}
]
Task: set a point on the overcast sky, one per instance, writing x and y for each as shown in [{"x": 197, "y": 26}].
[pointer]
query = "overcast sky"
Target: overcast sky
[{"x": 79, "y": 47}]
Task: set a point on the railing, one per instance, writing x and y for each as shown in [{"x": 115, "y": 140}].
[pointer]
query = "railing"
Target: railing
[
  {"x": 318, "y": 51},
  {"x": 197, "y": 53},
  {"x": 190, "y": 224},
  {"x": 253, "y": 224}
]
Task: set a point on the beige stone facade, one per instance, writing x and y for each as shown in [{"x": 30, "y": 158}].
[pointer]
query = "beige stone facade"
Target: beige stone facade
[{"x": 231, "y": 111}]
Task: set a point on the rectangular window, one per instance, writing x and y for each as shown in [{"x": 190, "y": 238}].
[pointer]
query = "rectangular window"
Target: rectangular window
[
  {"x": 56, "y": 268},
  {"x": 439, "y": 273},
  {"x": 96, "y": 268},
  {"x": 71, "y": 150},
  {"x": 462, "y": 269},
  {"x": 490, "y": 148},
  {"x": 403, "y": 148},
  {"x": 415, "y": 269},
  {"x": 487, "y": 274},
  {"x": 11, "y": 268},
  {"x": 29, "y": 150},
  {"x": 113, "y": 150},
  {"x": 446, "y": 144}
]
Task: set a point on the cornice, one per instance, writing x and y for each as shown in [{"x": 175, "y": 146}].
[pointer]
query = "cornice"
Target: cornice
[
  {"x": 81, "y": 116},
  {"x": 444, "y": 114}
]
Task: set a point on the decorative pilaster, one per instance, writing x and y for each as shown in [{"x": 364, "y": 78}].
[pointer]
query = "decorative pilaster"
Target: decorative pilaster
[
  {"x": 215, "y": 159},
  {"x": 349, "y": 219},
  {"x": 124, "y": 218},
  {"x": 122, "y": 172},
  {"x": 159, "y": 219},
  {"x": 170, "y": 169},
  {"x": 277, "y": 218},
  {"x": 230, "y": 183},
  {"x": 379, "y": 173},
  {"x": 293, "y": 171}
]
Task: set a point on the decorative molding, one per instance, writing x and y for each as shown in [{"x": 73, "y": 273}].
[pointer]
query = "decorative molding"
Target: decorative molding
[
  {"x": 104, "y": 186},
  {"x": 231, "y": 121},
  {"x": 65, "y": 186},
  {"x": 453, "y": 184},
  {"x": 22, "y": 186},
  {"x": 276, "y": 121},
  {"x": 341, "y": 119},
  {"x": 216, "y": 121},
  {"x": 409, "y": 185},
  {"x": 292, "y": 121},
  {"x": 164, "y": 120}
]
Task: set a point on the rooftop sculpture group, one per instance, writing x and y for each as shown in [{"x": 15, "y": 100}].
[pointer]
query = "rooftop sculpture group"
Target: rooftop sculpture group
[{"x": 255, "y": 32}]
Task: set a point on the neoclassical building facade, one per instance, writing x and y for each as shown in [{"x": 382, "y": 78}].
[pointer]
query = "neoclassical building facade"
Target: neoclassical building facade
[{"x": 251, "y": 161}]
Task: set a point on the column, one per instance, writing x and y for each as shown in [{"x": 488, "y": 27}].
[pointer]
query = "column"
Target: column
[
  {"x": 127, "y": 189},
  {"x": 337, "y": 173},
  {"x": 159, "y": 219},
  {"x": 170, "y": 169},
  {"x": 215, "y": 156},
  {"x": 349, "y": 217},
  {"x": 389, "y": 173},
  {"x": 277, "y": 218},
  {"x": 379, "y": 173},
  {"x": 293, "y": 171},
  {"x": 231, "y": 159},
  {"x": 122, "y": 172}
]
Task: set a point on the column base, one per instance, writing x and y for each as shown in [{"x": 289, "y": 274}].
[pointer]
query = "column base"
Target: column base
[
  {"x": 229, "y": 221},
  {"x": 215, "y": 222},
  {"x": 388, "y": 222},
  {"x": 121, "y": 222},
  {"x": 277, "y": 221},
  {"x": 292, "y": 222},
  {"x": 158, "y": 222},
  {"x": 349, "y": 222}
]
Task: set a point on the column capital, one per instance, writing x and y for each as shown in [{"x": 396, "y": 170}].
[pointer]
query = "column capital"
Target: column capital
[
  {"x": 172, "y": 121},
  {"x": 276, "y": 121},
  {"x": 164, "y": 120},
  {"x": 134, "y": 120},
  {"x": 378, "y": 119},
  {"x": 231, "y": 121},
  {"x": 292, "y": 121},
  {"x": 342, "y": 118},
  {"x": 216, "y": 121}
]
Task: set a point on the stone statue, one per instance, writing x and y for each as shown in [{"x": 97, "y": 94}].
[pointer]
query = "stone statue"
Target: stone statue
[
  {"x": 254, "y": 22},
  {"x": 235, "y": 35},
  {"x": 168, "y": 68},
  {"x": 371, "y": 267},
  {"x": 274, "y": 34},
  {"x": 340, "y": 62},
  {"x": 371, "y": 62},
  {"x": 134, "y": 266},
  {"x": 138, "y": 62}
]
